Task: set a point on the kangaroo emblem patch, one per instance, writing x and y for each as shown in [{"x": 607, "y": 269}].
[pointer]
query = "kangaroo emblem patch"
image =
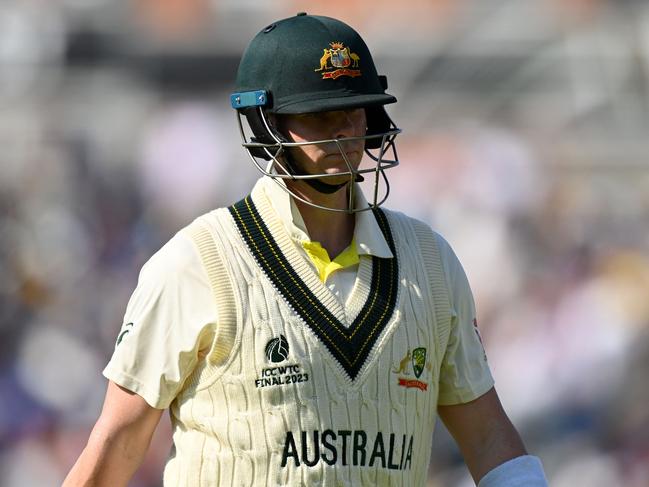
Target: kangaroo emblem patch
[{"x": 415, "y": 361}]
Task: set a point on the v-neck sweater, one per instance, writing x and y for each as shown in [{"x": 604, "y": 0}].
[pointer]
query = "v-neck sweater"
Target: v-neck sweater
[{"x": 278, "y": 382}]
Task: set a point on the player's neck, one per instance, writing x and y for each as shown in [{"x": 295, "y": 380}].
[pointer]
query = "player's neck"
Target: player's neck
[{"x": 333, "y": 229}]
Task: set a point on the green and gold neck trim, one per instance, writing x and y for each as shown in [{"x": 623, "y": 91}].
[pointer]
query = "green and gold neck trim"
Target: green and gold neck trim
[{"x": 349, "y": 345}]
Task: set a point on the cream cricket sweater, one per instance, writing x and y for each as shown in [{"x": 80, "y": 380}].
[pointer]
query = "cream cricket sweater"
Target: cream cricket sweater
[{"x": 279, "y": 390}]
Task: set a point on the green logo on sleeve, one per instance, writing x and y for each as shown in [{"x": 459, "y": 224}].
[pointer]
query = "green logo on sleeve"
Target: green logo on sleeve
[{"x": 125, "y": 329}]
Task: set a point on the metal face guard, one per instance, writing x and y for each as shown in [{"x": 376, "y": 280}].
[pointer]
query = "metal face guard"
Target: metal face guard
[{"x": 277, "y": 170}]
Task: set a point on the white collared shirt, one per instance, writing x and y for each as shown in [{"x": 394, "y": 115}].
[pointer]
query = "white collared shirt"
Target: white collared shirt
[{"x": 368, "y": 236}]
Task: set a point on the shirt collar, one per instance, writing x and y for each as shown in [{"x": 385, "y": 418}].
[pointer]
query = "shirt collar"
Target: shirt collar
[{"x": 368, "y": 236}]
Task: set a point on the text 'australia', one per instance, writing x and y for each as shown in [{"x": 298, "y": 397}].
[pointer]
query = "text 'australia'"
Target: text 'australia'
[{"x": 347, "y": 447}]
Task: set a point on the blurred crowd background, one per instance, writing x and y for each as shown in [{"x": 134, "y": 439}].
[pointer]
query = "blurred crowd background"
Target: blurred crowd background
[{"x": 525, "y": 144}]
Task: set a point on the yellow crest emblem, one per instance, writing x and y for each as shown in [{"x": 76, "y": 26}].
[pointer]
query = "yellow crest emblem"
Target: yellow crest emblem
[{"x": 339, "y": 61}]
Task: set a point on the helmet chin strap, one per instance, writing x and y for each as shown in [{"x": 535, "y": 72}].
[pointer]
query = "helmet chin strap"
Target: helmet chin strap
[{"x": 324, "y": 187}]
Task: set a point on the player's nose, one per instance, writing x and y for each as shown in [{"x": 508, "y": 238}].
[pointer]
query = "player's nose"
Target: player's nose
[{"x": 348, "y": 123}]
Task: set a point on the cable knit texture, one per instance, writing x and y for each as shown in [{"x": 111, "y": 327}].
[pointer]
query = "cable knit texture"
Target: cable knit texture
[{"x": 244, "y": 419}]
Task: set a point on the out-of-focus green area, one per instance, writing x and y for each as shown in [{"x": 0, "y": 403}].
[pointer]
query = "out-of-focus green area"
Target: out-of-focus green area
[{"x": 525, "y": 144}]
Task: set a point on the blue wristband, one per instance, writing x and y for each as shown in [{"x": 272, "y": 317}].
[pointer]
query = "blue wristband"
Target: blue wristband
[{"x": 524, "y": 471}]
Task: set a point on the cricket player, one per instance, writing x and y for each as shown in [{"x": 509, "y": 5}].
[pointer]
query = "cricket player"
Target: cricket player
[{"x": 304, "y": 335}]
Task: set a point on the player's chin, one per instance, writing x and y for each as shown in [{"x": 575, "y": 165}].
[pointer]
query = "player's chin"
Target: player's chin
[
  {"x": 334, "y": 178},
  {"x": 338, "y": 177}
]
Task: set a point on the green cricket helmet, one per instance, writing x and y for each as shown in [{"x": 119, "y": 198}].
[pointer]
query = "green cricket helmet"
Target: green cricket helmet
[{"x": 308, "y": 64}]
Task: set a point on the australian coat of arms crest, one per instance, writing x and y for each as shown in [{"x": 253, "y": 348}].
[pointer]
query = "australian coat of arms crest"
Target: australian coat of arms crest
[{"x": 338, "y": 61}]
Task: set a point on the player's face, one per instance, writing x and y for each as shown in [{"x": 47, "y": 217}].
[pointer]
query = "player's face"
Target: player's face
[{"x": 326, "y": 157}]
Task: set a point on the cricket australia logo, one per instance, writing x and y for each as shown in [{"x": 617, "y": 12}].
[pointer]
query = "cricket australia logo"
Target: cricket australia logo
[
  {"x": 414, "y": 361},
  {"x": 339, "y": 61},
  {"x": 126, "y": 329}
]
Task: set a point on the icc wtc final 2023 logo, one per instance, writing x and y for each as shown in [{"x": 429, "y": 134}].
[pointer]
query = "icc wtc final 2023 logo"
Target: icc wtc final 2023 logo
[
  {"x": 276, "y": 352},
  {"x": 339, "y": 61}
]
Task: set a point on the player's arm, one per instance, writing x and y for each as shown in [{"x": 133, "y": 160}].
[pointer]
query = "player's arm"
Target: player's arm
[
  {"x": 485, "y": 435},
  {"x": 118, "y": 441}
]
